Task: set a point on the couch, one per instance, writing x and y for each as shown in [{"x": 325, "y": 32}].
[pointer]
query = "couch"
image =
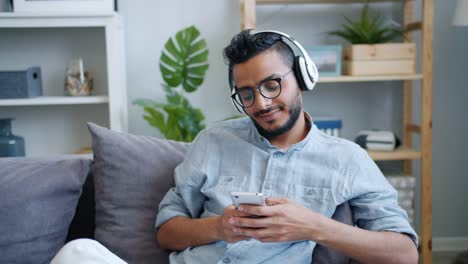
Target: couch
[{"x": 112, "y": 197}]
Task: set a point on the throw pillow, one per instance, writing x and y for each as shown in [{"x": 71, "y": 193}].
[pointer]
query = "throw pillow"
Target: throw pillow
[
  {"x": 38, "y": 198},
  {"x": 131, "y": 176}
]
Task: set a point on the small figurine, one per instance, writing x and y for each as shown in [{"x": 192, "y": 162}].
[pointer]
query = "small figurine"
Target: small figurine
[{"x": 78, "y": 82}]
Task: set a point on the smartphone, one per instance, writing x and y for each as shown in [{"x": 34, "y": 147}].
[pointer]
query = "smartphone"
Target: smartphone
[{"x": 239, "y": 198}]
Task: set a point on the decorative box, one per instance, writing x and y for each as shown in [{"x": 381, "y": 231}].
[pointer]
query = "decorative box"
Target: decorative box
[{"x": 21, "y": 84}]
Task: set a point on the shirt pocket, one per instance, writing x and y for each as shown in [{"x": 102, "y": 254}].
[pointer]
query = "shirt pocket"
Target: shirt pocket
[
  {"x": 230, "y": 183},
  {"x": 318, "y": 199}
]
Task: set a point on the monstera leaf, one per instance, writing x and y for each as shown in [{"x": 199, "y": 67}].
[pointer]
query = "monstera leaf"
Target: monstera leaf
[
  {"x": 183, "y": 62},
  {"x": 184, "y": 59}
]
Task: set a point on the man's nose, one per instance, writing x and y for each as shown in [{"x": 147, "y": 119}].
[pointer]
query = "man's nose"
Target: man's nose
[{"x": 261, "y": 101}]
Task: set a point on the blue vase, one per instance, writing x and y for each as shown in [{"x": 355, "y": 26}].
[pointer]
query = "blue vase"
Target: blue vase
[{"x": 10, "y": 145}]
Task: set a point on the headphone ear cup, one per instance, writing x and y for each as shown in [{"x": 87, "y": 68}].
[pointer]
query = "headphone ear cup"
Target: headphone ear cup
[
  {"x": 231, "y": 87},
  {"x": 299, "y": 73},
  {"x": 308, "y": 72}
]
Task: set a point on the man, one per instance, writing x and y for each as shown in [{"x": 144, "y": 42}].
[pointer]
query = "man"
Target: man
[{"x": 277, "y": 150}]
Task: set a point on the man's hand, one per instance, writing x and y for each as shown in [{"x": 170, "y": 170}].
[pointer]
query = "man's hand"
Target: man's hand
[
  {"x": 227, "y": 228},
  {"x": 283, "y": 220}
]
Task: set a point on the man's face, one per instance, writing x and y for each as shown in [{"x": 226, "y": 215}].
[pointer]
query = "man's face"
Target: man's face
[{"x": 272, "y": 117}]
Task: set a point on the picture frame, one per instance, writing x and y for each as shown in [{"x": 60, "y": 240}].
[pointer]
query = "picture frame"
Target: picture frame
[
  {"x": 327, "y": 58},
  {"x": 64, "y": 7}
]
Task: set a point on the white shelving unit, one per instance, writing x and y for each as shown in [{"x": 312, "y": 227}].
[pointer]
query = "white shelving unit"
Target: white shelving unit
[
  {"x": 55, "y": 124},
  {"x": 55, "y": 100}
]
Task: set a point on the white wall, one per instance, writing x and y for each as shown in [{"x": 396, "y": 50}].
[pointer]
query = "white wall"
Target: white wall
[
  {"x": 148, "y": 24},
  {"x": 450, "y": 124}
]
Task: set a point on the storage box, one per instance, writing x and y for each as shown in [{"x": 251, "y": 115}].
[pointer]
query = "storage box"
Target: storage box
[
  {"x": 21, "y": 84},
  {"x": 389, "y": 51},
  {"x": 380, "y": 59},
  {"x": 379, "y": 67}
]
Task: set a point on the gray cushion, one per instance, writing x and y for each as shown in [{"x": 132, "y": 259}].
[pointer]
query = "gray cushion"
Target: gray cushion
[
  {"x": 38, "y": 198},
  {"x": 131, "y": 176}
]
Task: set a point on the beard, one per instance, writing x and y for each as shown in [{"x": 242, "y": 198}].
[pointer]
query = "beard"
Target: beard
[{"x": 294, "y": 111}]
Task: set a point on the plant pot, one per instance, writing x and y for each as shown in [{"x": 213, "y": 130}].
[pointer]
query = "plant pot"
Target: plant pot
[
  {"x": 10, "y": 145},
  {"x": 380, "y": 59}
]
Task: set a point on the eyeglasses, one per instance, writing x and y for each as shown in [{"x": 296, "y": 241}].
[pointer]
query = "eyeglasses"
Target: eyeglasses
[{"x": 268, "y": 88}]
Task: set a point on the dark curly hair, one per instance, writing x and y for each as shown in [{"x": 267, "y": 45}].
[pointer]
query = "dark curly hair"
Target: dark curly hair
[{"x": 245, "y": 46}]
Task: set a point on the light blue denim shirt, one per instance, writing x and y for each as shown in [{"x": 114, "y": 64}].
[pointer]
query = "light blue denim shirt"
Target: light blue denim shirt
[{"x": 320, "y": 172}]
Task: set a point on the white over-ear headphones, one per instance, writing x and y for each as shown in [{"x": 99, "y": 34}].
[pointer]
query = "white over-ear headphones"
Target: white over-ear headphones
[{"x": 304, "y": 68}]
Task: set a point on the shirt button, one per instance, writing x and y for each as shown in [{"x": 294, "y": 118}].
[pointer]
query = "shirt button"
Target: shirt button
[
  {"x": 276, "y": 155},
  {"x": 229, "y": 179},
  {"x": 227, "y": 260}
]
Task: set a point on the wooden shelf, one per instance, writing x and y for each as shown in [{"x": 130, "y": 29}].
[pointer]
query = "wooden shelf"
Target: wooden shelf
[
  {"x": 56, "y": 100},
  {"x": 401, "y": 153},
  {"x": 349, "y": 78},
  {"x": 319, "y": 1}
]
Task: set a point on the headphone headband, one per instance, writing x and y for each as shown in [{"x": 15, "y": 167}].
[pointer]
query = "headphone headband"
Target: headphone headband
[{"x": 310, "y": 73}]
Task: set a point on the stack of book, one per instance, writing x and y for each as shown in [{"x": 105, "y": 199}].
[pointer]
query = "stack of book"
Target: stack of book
[
  {"x": 405, "y": 185},
  {"x": 328, "y": 125}
]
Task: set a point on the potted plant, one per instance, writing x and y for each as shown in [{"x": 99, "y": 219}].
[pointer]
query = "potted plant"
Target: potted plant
[
  {"x": 369, "y": 52},
  {"x": 183, "y": 62}
]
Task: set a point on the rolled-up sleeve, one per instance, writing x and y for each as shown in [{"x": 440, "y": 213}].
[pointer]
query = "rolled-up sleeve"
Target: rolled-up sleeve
[
  {"x": 374, "y": 201},
  {"x": 185, "y": 199}
]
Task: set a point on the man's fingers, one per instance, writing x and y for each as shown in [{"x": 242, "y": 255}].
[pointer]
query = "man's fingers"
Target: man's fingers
[
  {"x": 232, "y": 211},
  {"x": 241, "y": 213},
  {"x": 258, "y": 210},
  {"x": 252, "y": 222},
  {"x": 276, "y": 200},
  {"x": 257, "y": 233},
  {"x": 268, "y": 210}
]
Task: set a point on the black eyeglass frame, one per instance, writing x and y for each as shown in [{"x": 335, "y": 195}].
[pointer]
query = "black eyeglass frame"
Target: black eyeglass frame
[{"x": 259, "y": 88}]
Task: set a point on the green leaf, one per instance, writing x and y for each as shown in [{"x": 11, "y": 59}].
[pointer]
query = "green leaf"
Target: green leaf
[
  {"x": 201, "y": 57},
  {"x": 195, "y": 80},
  {"x": 184, "y": 55},
  {"x": 172, "y": 49},
  {"x": 155, "y": 118},
  {"x": 198, "y": 70},
  {"x": 197, "y": 46},
  {"x": 172, "y": 77},
  {"x": 172, "y": 129}
]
